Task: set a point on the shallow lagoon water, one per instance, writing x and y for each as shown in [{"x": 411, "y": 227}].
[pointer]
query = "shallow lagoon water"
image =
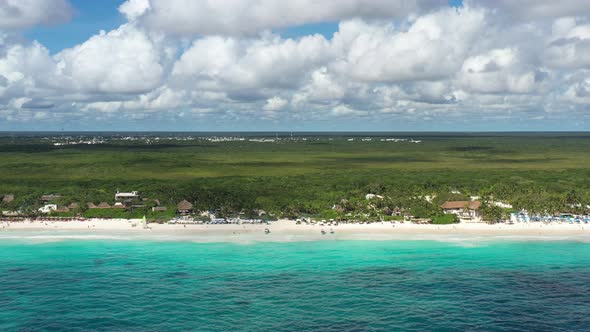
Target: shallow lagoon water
[{"x": 146, "y": 285}]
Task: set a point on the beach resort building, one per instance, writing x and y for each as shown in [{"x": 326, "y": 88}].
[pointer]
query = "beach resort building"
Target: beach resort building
[
  {"x": 50, "y": 198},
  {"x": 48, "y": 208},
  {"x": 467, "y": 211},
  {"x": 184, "y": 207},
  {"x": 120, "y": 196}
]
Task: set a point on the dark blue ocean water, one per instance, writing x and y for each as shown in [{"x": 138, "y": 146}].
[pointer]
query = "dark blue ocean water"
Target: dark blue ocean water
[{"x": 301, "y": 286}]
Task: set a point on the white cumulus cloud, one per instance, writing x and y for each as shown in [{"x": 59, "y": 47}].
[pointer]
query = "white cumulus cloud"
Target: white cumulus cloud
[
  {"x": 124, "y": 60},
  {"x": 389, "y": 61},
  {"x": 248, "y": 17},
  {"x": 275, "y": 104}
]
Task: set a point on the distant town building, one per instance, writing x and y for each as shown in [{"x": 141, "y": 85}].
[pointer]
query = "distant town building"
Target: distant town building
[{"x": 159, "y": 209}]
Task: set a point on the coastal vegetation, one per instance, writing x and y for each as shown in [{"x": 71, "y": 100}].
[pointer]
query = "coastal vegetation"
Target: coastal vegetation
[{"x": 323, "y": 176}]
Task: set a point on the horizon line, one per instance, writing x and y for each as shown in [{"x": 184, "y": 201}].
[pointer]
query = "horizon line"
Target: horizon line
[{"x": 295, "y": 131}]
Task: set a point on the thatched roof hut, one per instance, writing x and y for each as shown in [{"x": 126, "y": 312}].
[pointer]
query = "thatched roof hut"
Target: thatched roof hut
[
  {"x": 118, "y": 205},
  {"x": 104, "y": 205},
  {"x": 91, "y": 205},
  {"x": 62, "y": 209},
  {"x": 184, "y": 207},
  {"x": 7, "y": 198},
  {"x": 457, "y": 205}
]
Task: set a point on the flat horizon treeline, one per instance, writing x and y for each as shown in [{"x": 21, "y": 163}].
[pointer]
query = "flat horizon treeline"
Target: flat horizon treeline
[{"x": 293, "y": 178}]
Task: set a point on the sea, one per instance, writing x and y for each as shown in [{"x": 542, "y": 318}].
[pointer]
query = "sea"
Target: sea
[{"x": 53, "y": 283}]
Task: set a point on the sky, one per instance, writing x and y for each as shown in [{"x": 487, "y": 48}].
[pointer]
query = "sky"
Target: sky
[{"x": 298, "y": 65}]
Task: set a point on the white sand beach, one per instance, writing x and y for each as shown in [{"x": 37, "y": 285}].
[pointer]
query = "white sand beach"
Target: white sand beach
[{"x": 288, "y": 230}]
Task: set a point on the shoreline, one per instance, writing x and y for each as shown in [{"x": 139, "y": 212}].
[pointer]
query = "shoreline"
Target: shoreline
[{"x": 287, "y": 231}]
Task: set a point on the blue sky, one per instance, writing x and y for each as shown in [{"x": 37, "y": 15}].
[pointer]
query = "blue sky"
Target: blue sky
[
  {"x": 88, "y": 19},
  {"x": 432, "y": 65}
]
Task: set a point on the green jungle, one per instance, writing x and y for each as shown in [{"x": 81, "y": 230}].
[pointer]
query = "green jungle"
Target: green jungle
[{"x": 322, "y": 176}]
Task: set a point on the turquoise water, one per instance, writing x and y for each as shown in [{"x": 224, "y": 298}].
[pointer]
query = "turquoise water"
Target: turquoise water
[{"x": 105, "y": 285}]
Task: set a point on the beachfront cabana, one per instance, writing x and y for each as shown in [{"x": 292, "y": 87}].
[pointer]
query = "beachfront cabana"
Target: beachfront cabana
[
  {"x": 118, "y": 205},
  {"x": 184, "y": 207}
]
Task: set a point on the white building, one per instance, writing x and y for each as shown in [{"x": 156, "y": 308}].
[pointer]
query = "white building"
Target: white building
[
  {"x": 501, "y": 204},
  {"x": 119, "y": 196},
  {"x": 48, "y": 208}
]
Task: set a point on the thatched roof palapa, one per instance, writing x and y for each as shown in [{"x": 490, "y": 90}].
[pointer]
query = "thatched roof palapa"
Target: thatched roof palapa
[
  {"x": 7, "y": 198},
  {"x": 91, "y": 205},
  {"x": 118, "y": 205},
  {"x": 62, "y": 209},
  {"x": 104, "y": 205},
  {"x": 472, "y": 205},
  {"x": 184, "y": 206}
]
